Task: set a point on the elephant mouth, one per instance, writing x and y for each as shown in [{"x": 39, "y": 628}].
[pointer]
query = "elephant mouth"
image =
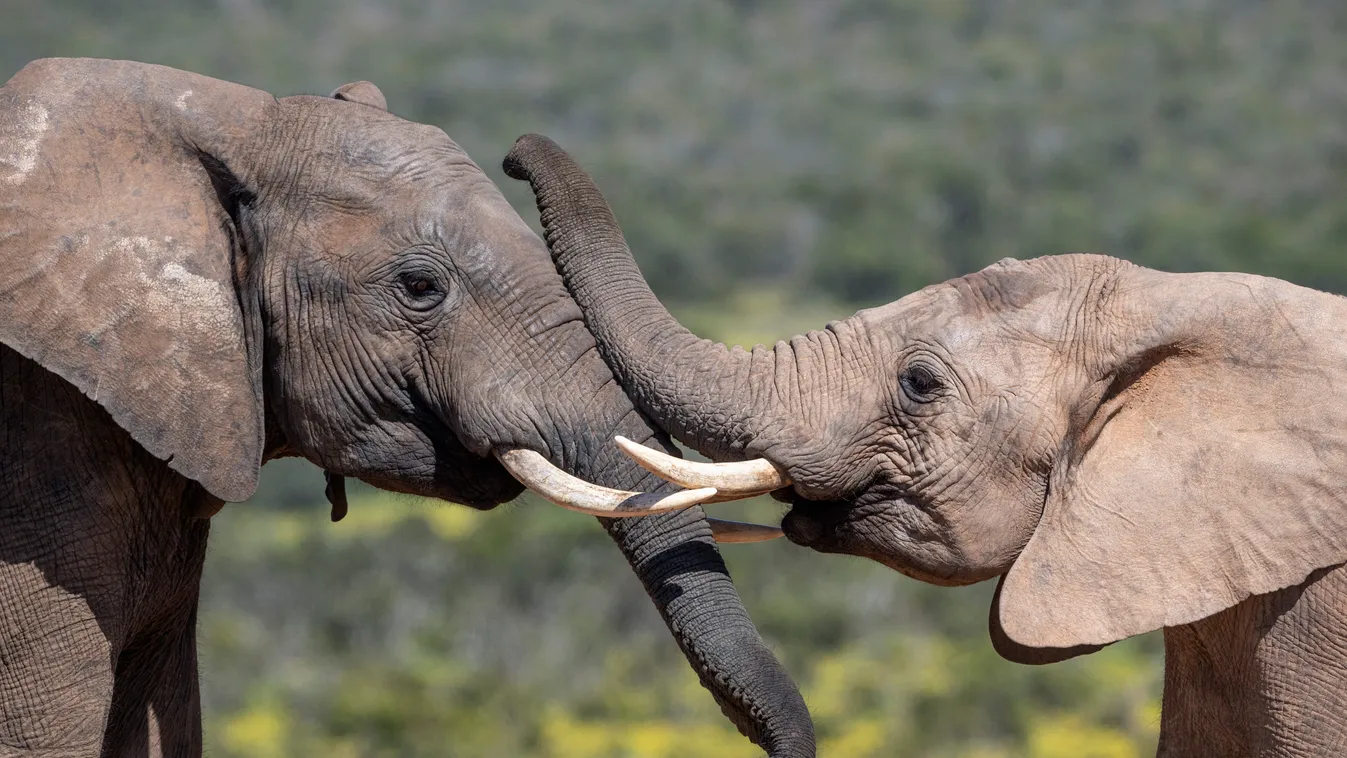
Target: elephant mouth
[
  {"x": 892, "y": 532},
  {"x": 811, "y": 523},
  {"x": 881, "y": 524},
  {"x": 840, "y": 526}
]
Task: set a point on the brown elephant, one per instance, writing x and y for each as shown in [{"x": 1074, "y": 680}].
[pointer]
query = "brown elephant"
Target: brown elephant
[
  {"x": 1126, "y": 449},
  {"x": 196, "y": 278}
]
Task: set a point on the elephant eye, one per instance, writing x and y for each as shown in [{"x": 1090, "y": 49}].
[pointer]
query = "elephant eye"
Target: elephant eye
[
  {"x": 423, "y": 290},
  {"x": 921, "y": 383}
]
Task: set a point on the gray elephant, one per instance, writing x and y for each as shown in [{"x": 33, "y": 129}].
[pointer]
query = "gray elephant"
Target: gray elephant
[
  {"x": 196, "y": 278},
  {"x": 1127, "y": 449}
]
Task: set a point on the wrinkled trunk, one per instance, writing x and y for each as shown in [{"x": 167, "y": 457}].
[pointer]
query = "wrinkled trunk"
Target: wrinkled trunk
[
  {"x": 674, "y": 554},
  {"x": 677, "y": 561},
  {"x": 698, "y": 390},
  {"x": 722, "y": 402},
  {"x": 678, "y": 564}
]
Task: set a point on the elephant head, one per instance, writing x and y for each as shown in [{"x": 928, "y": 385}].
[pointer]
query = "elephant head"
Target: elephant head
[
  {"x": 1127, "y": 449},
  {"x": 235, "y": 278}
]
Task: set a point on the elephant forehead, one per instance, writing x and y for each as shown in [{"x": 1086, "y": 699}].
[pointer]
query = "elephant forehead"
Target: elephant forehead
[
  {"x": 939, "y": 313},
  {"x": 1011, "y": 299},
  {"x": 1006, "y": 285},
  {"x": 359, "y": 153}
]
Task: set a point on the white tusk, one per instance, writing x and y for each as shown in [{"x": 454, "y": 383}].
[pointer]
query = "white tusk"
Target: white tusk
[
  {"x": 572, "y": 493},
  {"x": 739, "y": 531},
  {"x": 734, "y": 481}
]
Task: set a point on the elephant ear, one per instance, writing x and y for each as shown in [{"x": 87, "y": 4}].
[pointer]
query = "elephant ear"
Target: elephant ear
[
  {"x": 119, "y": 198},
  {"x": 364, "y": 93},
  {"x": 1209, "y": 465}
]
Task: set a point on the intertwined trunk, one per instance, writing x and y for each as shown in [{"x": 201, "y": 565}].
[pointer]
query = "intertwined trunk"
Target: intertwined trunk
[{"x": 674, "y": 554}]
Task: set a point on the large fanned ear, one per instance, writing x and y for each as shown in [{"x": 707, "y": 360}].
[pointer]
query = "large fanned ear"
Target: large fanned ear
[
  {"x": 1209, "y": 463},
  {"x": 119, "y": 194}
]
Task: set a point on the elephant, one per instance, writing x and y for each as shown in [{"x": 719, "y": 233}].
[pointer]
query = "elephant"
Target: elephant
[
  {"x": 1123, "y": 449},
  {"x": 197, "y": 277}
]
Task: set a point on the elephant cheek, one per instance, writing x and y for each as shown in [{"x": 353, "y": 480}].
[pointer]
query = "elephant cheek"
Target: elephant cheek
[{"x": 993, "y": 530}]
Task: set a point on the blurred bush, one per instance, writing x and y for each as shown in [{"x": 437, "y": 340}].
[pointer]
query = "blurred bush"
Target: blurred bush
[{"x": 421, "y": 629}]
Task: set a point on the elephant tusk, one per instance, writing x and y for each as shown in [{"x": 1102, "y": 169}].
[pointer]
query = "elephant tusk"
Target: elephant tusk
[
  {"x": 733, "y": 481},
  {"x": 572, "y": 493},
  {"x": 739, "y": 531}
]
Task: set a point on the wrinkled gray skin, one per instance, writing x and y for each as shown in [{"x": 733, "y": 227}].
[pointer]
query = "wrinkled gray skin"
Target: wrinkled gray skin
[
  {"x": 196, "y": 277},
  {"x": 1127, "y": 449}
]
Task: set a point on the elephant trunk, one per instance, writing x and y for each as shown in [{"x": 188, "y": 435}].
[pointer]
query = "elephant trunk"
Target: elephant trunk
[
  {"x": 569, "y": 418},
  {"x": 677, "y": 560},
  {"x": 697, "y": 389}
]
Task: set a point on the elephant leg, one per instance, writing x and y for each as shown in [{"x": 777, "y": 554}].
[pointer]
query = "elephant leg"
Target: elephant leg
[
  {"x": 156, "y": 711},
  {"x": 100, "y": 563},
  {"x": 56, "y": 668},
  {"x": 156, "y": 703}
]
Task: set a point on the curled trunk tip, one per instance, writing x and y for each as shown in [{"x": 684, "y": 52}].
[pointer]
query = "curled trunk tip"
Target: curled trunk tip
[{"x": 528, "y": 151}]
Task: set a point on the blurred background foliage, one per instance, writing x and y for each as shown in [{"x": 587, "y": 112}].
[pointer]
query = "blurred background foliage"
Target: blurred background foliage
[{"x": 774, "y": 164}]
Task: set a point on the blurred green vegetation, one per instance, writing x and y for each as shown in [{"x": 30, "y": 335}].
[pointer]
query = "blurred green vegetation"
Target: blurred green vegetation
[
  {"x": 417, "y": 629},
  {"x": 775, "y": 164}
]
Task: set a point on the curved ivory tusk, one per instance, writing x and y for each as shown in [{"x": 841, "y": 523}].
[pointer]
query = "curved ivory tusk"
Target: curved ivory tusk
[
  {"x": 734, "y": 481},
  {"x": 740, "y": 531},
  {"x": 575, "y": 494}
]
